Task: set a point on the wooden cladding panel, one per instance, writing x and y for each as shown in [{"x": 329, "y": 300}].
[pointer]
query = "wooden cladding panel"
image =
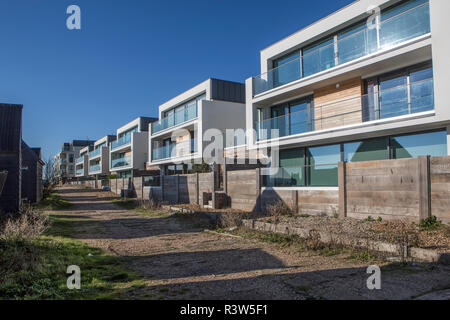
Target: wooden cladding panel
[{"x": 334, "y": 107}]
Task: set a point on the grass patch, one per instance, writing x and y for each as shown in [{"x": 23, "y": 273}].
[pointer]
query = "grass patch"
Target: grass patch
[
  {"x": 36, "y": 269},
  {"x": 135, "y": 205},
  {"x": 53, "y": 202},
  {"x": 124, "y": 203}
]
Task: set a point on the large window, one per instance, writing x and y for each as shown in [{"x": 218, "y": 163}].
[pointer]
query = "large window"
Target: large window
[
  {"x": 323, "y": 164},
  {"x": 292, "y": 169},
  {"x": 318, "y": 57},
  {"x": 403, "y": 22},
  {"x": 286, "y": 69},
  {"x": 412, "y": 146},
  {"x": 367, "y": 150},
  {"x": 289, "y": 118},
  {"x": 355, "y": 42},
  {"x": 399, "y": 93}
]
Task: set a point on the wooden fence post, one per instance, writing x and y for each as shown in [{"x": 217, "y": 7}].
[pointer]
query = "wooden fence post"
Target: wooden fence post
[
  {"x": 213, "y": 187},
  {"x": 162, "y": 187},
  {"x": 295, "y": 201},
  {"x": 197, "y": 189},
  {"x": 177, "y": 181},
  {"x": 258, "y": 190},
  {"x": 225, "y": 187},
  {"x": 342, "y": 166},
  {"x": 424, "y": 187}
]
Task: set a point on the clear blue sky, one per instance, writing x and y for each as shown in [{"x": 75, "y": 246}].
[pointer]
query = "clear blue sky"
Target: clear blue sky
[{"x": 130, "y": 56}]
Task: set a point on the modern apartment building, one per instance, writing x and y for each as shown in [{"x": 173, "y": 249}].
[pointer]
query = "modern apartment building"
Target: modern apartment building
[
  {"x": 177, "y": 139},
  {"x": 129, "y": 152},
  {"x": 99, "y": 157},
  {"x": 64, "y": 161},
  {"x": 354, "y": 86},
  {"x": 82, "y": 162}
]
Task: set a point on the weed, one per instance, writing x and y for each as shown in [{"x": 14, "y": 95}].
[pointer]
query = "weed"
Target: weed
[
  {"x": 278, "y": 210},
  {"x": 430, "y": 223}
]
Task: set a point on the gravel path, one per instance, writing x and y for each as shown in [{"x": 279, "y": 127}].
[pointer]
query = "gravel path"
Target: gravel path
[{"x": 180, "y": 261}]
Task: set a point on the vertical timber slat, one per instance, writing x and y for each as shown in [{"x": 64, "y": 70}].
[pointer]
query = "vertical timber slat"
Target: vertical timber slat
[
  {"x": 197, "y": 191},
  {"x": 342, "y": 190},
  {"x": 258, "y": 190},
  {"x": 424, "y": 187}
]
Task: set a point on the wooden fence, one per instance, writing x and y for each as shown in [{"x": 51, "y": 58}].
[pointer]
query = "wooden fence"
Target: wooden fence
[{"x": 411, "y": 189}]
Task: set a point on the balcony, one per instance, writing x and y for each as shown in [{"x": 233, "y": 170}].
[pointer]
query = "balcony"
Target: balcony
[
  {"x": 121, "y": 162},
  {"x": 393, "y": 102},
  {"x": 396, "y": 26},
  {"x": 95, "y": 153},
  {"x": 174, "y": 150},
  {"x": 79, "y": 160},
  {"x": 122, "y": 141},
  {"x": 179, "y": 117},
  {"x": 95, "y": 168},
  {"x": 80, "y": 172}
]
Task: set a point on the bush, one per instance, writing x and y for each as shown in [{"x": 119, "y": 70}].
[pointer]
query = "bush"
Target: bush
[
  {"x": 278, "y": 210},
  {"x": 26, "y": 227},
  {"x": 19, "y": 237},
  {"x": 430, "y": 223},
  {"x": 231, "y": 219},
  {"x": 151, "y": 204}
]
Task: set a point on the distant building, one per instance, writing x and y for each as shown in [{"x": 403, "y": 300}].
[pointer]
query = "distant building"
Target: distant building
[
  {"x": 64, "y": 161},
  {"x": 129, "y": 152}
]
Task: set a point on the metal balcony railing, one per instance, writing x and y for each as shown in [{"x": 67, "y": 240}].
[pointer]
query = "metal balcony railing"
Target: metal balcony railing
[
  {"x": 391, "y": 31},
  {"x": 397, "y": 101}
]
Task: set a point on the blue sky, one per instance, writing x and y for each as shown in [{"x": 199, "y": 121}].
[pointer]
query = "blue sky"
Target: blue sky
[{"x": 130, "y": 56}]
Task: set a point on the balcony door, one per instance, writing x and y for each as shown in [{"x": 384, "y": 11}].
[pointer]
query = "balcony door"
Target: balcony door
[{"x": 399, "y": 93}]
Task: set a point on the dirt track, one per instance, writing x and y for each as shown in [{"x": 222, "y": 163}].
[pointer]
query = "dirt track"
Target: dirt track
[{"x": 180, "y": 261}]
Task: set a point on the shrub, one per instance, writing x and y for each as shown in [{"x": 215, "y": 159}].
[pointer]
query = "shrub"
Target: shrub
[
  {"x": 151, "y": 204},
  {"x": 231, "y": 219},
  {"x": 27, "y": 226},
  {"x": 430, "y": 223},
  {"x": 278, "y": 210}
]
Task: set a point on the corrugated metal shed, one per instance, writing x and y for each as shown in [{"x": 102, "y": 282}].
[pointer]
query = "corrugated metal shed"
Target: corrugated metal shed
[{"x": 10, "y": 156}]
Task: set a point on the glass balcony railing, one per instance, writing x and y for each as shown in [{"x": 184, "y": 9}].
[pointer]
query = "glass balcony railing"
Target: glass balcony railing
[
  {"x": 79, "y": 172},
  {"x": 79, "y": 160},
  {"x": 175, "y": 150},
  {"x": 393, "y": 102},
  {"x": 95, "y": 168},
  {"x": 95, "y": 153},
  {"x": 188, "y": 113},
  {"x": 393, "y": 29},
  {"x": 121, "y": 162},
  {"x": 122, "y": 141}
]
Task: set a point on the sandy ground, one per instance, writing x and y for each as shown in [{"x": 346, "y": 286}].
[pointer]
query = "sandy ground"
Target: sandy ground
[{"x": 181, "y": 261}]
